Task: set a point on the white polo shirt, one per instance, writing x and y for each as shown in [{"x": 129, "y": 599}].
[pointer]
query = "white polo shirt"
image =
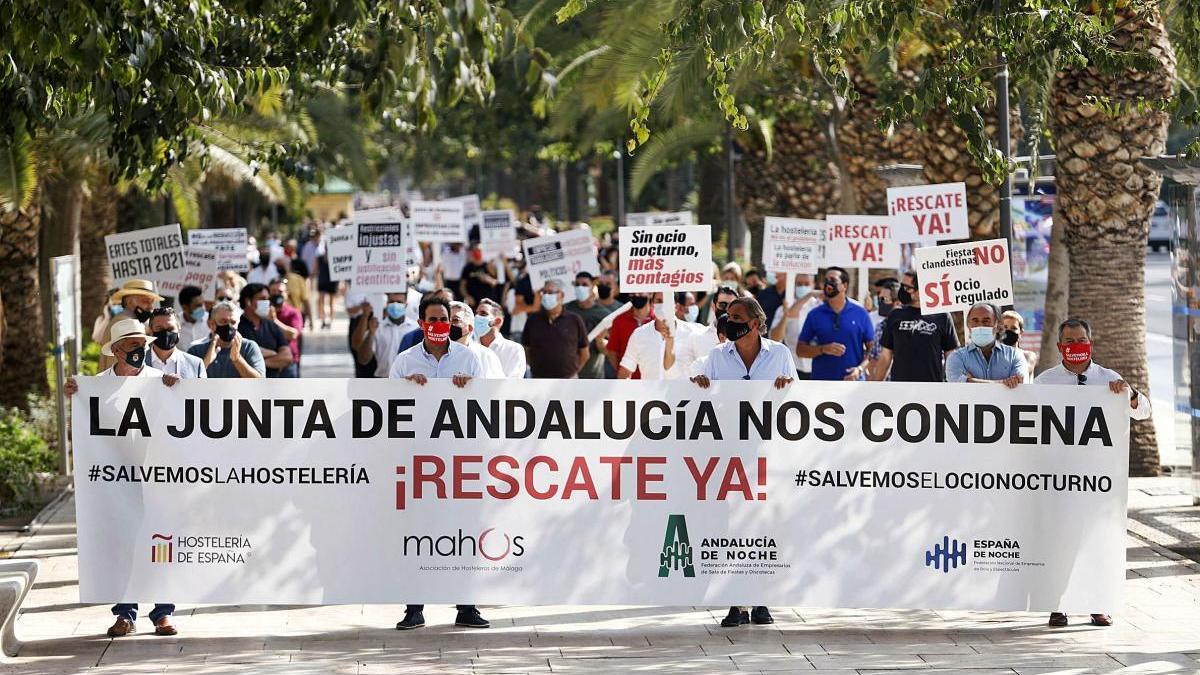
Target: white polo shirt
[
  {"x": 492, "y": 370},
  {"x": 646, "y": 350},
  {"x": 773, "y": 360},
  {"x": 459, "y": 360},
  {"x": 511, "y": 355},
  {"x": 1096, "y": 375},
  {"x": 387, "y": 343}
]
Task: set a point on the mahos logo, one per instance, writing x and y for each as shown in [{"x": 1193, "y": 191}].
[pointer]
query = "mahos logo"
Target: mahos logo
[{"x": 490, "y": 545}]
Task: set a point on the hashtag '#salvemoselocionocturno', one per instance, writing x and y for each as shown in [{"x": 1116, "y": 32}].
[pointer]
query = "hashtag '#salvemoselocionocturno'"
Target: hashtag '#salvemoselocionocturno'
[{"x": 94, "y": 472}]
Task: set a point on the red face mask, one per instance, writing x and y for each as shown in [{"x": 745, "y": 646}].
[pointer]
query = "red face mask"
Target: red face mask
[
  {"x": 477, "y": 256},
  {"x": 1076, "y": 352},
  {"x": 437, "y": 332}
]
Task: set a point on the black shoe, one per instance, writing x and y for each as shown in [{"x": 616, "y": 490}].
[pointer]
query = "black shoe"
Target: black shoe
[
  {"x": 412, "y": 620},
  {"x": 471, "y": 619},
  {"x": 1058, "y": 620},
  {"x": 735, "y": 618},
  {"x": 761, "y": 616}
]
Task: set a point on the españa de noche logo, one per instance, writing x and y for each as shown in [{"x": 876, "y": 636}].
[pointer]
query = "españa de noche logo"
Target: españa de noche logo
[{"x": 200, "y": 550}]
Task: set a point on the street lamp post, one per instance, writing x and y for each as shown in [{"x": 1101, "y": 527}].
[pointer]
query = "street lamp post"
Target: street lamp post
[{"x": 1185, "y": 241}]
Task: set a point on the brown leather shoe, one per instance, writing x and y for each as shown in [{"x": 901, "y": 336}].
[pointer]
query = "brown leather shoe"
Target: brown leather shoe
[
  {"x": 164, "y": 627},
  {"x": 121, "y": 628},
  {"x": 1101, "y": 620}
]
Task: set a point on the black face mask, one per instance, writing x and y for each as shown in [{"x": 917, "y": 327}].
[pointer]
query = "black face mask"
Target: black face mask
[
  {"x": 456, "y": 332},
  {"x": 140, "y": 314},
  {"x": 753, "y": 290},
  {"x": 885, "y": 308},
  {"x": 135, "y": 358},
  {"x": 735, "y": 329},
  {"x": 264, "y": 259},
  {"x": 277, "y": 300},
  {"x": 225, "y": 332},
  {"x": 831, "y": 291},
  {"x": 166, "y": 339},
  {"x": 1010, "y": 338},
  {"x": 604, "y": 291},
  {"x": 639, "y": 301},
  {"x": 904, "y": 296},
  {"x": 722, "y": 322}
]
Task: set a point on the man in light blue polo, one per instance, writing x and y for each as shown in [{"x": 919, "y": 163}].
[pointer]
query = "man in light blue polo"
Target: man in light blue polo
[
  {"x": 747, "y": 355},
  {"x": 984, "y": 359},
  {"x": 437, "y": 356}
]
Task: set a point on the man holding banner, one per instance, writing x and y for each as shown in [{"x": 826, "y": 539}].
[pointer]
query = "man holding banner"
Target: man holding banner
[
  {"x": 985, "y": 359},
  {"x": 747, "y": 355}
]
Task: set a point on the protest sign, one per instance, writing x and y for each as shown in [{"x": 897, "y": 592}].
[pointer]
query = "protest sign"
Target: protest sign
[
  {"x": 659, "y": 218},
  {"x": 791, "y": 244},
  {"x": 229, "y": 242},
  {"x": 955, "y": 276},
  {"x": 438, "y": 221},
  {"x": 560, "y": 256},
  {"x": 341, "y": 247},
  {"x": 497, "y": 233},
  {"x": 929, "y": 213},
  {"x": 155, "y": 253},
  {"x": 667, "y": 258},
  {"x": 381, "y": 257},
  {"x": 471, "y": 211},
  {"x": 200, "y": 270},
  {"x": 914, "y": 495},
  {"x": 860, "y": 241}
]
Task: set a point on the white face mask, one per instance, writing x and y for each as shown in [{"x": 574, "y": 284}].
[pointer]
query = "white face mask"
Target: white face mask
[
  {"x": 582, "y": 293},
  {"x": 692, "y": 313},
  {"x": 262, "y": 308},
  {"x": 802, "y": 292},
  {"x": 660, "y": 310}
]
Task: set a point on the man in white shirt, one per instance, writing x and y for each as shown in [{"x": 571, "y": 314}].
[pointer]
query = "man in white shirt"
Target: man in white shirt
[
  {"x": 164, "y": 353},
  {"x": 128, "y": 347},
  {"x": 1077, "y": 368},
  {"x": 789, "y": 319},
  {"x": 193, "y": 325},
  {"x": 747, "y": 355},
  {"x": 665, "y": 348},
  {"x": 462, "y": 330},
  {"x": 488, "y": 319},
  {"x": 381, "y": 339},
  {"x": 437, "y": 356},
  {"x": 264, "y": 271}
]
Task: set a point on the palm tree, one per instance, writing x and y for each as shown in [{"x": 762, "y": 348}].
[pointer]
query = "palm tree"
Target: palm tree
[{"x": 1106, "y": 198}]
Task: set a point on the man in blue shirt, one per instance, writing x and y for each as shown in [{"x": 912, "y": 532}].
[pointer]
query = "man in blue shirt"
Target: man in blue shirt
[
  {"x": 837, "y": 335},
  {"x": 984, "y": 359}
]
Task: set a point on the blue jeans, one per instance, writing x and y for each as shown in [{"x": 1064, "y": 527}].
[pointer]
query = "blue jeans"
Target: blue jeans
[{"x": 128, "y": 611}]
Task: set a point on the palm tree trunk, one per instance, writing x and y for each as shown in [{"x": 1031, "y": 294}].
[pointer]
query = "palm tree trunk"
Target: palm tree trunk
[
  {"x": 62, "y": 198},
  {"x": 1058, "y": 287},
  {"x": 1105, "y": 201},
  {"x": 23, "y": 365},
  {"x": 98, "y": 220}
]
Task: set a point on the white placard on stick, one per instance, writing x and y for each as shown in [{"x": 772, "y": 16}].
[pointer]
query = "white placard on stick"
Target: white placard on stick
[
  {"x": 155, "y": 253},
  {"x": 560, "y": 256},
  {"x": 438, "y": 221},
  {"x": 955, "y": 276},
  {"x": 200, "y": 270},
  {"x": 341, "y": 244},
  {"x": 381, "y": 257},
  {"x": 929, "y": 213},
  {"x": 669, "y": 258},
  {"x": 229, "y": 242},
  {"x": 860, "y": 241},
  {"x": 660, "y": 218},
  {"x": 497, "y": 233},
  {"x": 792, "y": 244},
  {"x": 472, "y": 210}
]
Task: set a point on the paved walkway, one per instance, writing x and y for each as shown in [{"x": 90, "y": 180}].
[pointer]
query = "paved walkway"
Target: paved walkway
[{"x": 1157, "y": 633}]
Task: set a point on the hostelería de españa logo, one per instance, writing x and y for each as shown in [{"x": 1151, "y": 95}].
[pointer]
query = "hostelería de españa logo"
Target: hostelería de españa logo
[{"x": 162, "y": 548}]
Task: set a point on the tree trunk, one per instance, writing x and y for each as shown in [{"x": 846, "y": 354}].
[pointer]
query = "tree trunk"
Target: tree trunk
[
  {"x": 1105, "y": 201},
  {"x": 97, "y": 220},
  {"x": 57, "y": 236},
  {"x": 23, "y": 368},
  {"x": 1058, "y": 288}
]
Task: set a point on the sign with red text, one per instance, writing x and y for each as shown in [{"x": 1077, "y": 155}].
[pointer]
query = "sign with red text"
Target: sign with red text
[
  {"x": 560, "y": 256},
  {"x": 860, "y": 241},
  {"x": 671, "y": 258},
  {"x": 229, "y": 242},
  {"x": 438, "y": 221},
  {"x": 200, "y": 270},
  {"x": 929, "y": 213},
  {"x": 155, "y": 253},
  {"x": 792, "y": 244},
  {"x": 955, "y": 276},
  {"x": 535, "y": 492}
]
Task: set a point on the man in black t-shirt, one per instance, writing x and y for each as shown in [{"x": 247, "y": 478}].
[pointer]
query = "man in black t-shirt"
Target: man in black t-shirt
[{"x": 914, "y": 346}]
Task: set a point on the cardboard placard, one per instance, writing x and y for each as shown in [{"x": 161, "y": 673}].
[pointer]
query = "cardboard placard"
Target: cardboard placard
[
  {"x": 560, "y": 256},
  {"x": 929, "y": 213},
  {"x": 955, "y": 276},
  {"x": 792, "y": 244},
  {"x": 155, "y": 253},
  {"x": 659, "y": 218},
  {"x": 200, "y": 270},
  {"x": 438, "y": 221},
  {"x": 341, "y": 244},
  {"x": 230, "y": 244},
  {"x": 860, "y": 241},
  {"x": 497, "y": 233},
  {"x": 666, "y": 258}
]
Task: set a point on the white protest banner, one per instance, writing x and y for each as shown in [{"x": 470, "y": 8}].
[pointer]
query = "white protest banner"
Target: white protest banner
[
  {"x": 412, "y": 248},
  {"x": 471, "y": 210},
  {"x": 660, "y": 218},
  {"x": 792, "y": 244},
  {"x": 341, "y": 247},
  {"x": 913, "y": 495},
  {"x": 438, "y": 221},
  {"x": 665, "y": 258},
  {"x": 230, "y": 243},
  {"x": 560, "y": 256},
  {"x": 860, "y": 241},
  {"x": 929, "y": 213},
  {"x": 155, "y": 253},
  {"x": 497, "y": 233},
  {"x": 381, "y": 257},
  {"x": 200, "y": 270},
  {"x": 955, "y": 276}
]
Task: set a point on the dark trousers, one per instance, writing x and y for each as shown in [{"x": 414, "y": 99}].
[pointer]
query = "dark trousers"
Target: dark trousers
[
  {"x": 421, "y": 608},
  {"x": 128, "y": 611}
]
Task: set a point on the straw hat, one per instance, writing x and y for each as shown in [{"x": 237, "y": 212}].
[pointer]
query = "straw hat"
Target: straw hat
[
  {"x": 136, "y": 287},
  {"x": 125, "y": 328}
]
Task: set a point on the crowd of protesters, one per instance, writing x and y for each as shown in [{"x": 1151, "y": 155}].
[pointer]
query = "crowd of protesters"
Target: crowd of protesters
[{"x": 465, "y": 316}]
